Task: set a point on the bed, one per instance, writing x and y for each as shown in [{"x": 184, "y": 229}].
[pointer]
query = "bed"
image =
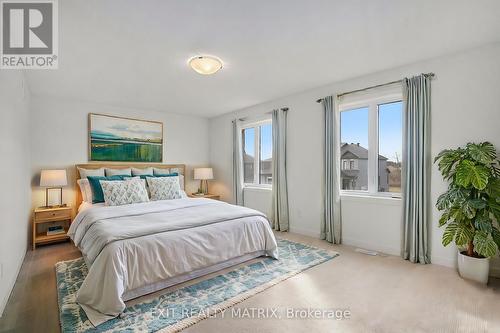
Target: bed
[{"x": 136, "y": 249}]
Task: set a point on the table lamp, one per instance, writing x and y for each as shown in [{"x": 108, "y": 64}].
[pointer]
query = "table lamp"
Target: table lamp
[
  {"x": 53, "y": 179},
  {"x": 203, "y": 175}
]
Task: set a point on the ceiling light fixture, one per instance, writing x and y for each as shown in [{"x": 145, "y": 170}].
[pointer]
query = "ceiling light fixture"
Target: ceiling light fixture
[{"x": 205, "y": 65}]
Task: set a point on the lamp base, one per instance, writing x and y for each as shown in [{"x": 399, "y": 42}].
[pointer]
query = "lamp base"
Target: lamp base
[
  {"x": 203, "y": 186},
  {"x": 47, "y": 198}
]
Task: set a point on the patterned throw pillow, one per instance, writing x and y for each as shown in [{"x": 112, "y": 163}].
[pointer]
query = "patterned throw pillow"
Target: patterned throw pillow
[
  {"x": 117, "y": 193},
  {"x": 164, "y": 188}
]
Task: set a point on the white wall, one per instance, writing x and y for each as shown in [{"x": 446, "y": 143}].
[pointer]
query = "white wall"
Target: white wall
[
  {"x": 59, "y": 139},
  {"x": 15, "y": 197},
  {"x": 465, "y": 107}
]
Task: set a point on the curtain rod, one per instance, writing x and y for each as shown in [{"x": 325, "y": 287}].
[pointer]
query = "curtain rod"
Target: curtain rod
[
  {"x": 430, "y": 75},
  {"x": 282, "y": 109}
]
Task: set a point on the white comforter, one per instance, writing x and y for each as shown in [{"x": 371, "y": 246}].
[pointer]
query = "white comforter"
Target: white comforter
[{"x": 129, "y": 247}]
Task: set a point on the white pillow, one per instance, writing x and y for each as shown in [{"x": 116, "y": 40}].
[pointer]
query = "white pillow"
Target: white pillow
[
  {"x": 126, "y": 192},
  {"x": 84, "y": 173},
  {"x": 140, "y": 172},
  {"x": 164, "y": 188},
  {"x": 119, "y": 172},
  {"x": 86, "y": 190},
  {"x": 181, "y": 181},
  {"x": 160, "y": 171}
]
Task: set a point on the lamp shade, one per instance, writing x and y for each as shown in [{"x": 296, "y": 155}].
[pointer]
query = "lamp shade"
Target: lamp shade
[
  {"x": 53, "y": 178},
  {"x": 203, "y": 173}
]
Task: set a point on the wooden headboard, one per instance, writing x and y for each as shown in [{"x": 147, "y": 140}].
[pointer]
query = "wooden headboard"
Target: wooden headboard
[{"x": 179, "y": 168}]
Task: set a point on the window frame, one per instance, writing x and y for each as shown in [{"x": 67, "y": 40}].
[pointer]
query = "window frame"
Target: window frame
[
  {"x": 372, "y": 102},
  {"x": 256, "y": 162}
]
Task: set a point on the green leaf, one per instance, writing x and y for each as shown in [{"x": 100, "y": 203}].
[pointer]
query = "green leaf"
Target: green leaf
[
  {"x": 447, "y": 159},
  {"x": 468, "y": 173},
  {"x": 483, "y": 223},
  {"x": 443, "y": 201},
  {"x": 484, "y": 244},
  {"x": 468, "y": 210},
  {"x": 449, "y": 233},
  {"x": 494, "y": 206},
  {"x": 464, "y": 234},
  {"x": 457, "y": 214},
  {"x": 496, "y": 170},
  {"x": 454, "y": 196},
  {"x": 483, "y": 153},
  {"x": 477, "y": 203},
  {"x": 496, "y": 236},
  {"x": 493, "y": 188},
  {"x": 444, "y": 218}
]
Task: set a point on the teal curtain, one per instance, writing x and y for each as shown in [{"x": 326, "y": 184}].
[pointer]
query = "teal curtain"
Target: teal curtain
[
  {"x": 416, "y": 169},
  {"x": 237, "y": 167},
  {"x": 279, "y": 214},
  {"x": 331, "y": 222}
]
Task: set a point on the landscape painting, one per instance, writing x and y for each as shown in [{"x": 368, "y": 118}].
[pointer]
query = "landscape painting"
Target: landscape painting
[{"x": 116, "y": 139}]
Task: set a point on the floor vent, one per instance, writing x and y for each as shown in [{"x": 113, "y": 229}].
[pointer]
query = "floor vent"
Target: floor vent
[{"x": 370, "y": 252}]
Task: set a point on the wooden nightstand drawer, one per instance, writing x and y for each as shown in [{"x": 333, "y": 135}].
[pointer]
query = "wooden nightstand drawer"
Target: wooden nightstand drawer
[{"x": 53, "y": 215}]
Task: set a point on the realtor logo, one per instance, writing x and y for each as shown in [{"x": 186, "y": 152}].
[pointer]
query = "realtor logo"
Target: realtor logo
[{"x": 29, "y": 34}]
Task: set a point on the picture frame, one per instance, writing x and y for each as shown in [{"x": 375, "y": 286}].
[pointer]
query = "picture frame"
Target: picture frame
[{"x": 122, "y": 139}]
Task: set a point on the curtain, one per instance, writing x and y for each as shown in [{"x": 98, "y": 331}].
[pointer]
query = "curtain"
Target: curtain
[
  {"x": 415, "y": 174},
  {"x": 279, "y": 214},
  {"x": 331, "y": 222},
  {"x": 237, "y": 167}
]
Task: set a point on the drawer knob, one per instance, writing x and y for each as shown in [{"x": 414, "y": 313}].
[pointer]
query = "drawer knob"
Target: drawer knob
[{"x": 53, "y": 214}]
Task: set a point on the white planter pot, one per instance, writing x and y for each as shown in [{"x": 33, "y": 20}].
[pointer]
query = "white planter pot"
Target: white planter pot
[{"x": 475, "y": 269}]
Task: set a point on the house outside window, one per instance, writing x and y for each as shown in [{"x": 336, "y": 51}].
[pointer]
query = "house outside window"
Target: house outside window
[
  {"x": 256, "y": 147},
  {"x": 371, "y": 144}
]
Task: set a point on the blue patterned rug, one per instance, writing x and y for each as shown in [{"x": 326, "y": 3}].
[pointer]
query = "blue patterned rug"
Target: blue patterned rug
[{"x": 178, "y": 309}]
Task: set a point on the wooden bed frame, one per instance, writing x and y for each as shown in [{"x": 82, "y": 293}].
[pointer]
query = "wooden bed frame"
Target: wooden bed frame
[{"x": 181, "y": 168}]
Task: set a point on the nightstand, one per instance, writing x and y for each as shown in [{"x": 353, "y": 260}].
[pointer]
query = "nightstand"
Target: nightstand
[
  {"x": 45, "y": 217},
  {"x": 208, "y": 196}
]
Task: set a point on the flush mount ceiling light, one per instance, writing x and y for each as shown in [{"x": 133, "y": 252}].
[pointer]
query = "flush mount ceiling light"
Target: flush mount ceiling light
[{"x": 205, "y": 65}]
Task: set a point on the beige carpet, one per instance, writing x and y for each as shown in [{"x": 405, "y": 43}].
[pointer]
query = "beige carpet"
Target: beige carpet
[
  {"x": 377, "y": 292},
  {"x": 374, "y": 289}
]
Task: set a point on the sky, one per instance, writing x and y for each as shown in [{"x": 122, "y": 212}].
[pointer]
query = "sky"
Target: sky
[
  {"x": 126, "y": 128},
  {"x": 266, "y": 137},
  {"x": 354, "y": 128}
]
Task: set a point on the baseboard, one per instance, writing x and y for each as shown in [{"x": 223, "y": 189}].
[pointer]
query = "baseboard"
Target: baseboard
[
  {"x": 436, "y": 260},
  {"x": 444, "y": 261},
  {"x": 11, "y": 284}
]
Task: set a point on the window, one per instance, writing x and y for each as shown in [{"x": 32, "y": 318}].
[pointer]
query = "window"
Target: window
[
  {"x": 257, "y": 149},
  {"x": 354, "y": 147},
  {"x": 390, "y": 146},
  {"x": 371, "y": 145},
  {"x": 248, "y": 154}
]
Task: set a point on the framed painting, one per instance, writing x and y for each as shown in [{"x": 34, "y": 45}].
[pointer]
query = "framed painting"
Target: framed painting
[{"x": 118, "y": 139}]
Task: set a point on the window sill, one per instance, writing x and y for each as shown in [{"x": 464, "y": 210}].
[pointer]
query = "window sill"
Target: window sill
[
  {"x": 258, "y": 187},
  {"x": 370, "y": 196}
]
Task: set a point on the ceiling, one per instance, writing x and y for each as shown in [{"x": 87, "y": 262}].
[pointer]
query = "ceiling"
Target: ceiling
[{"x": 134, "y": 53}]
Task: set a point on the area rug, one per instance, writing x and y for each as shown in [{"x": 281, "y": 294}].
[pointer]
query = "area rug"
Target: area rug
[{"x": 181, "y": 308}]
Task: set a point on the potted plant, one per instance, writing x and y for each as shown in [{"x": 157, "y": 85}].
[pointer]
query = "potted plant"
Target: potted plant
[{"x": 471, "y": 206}]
